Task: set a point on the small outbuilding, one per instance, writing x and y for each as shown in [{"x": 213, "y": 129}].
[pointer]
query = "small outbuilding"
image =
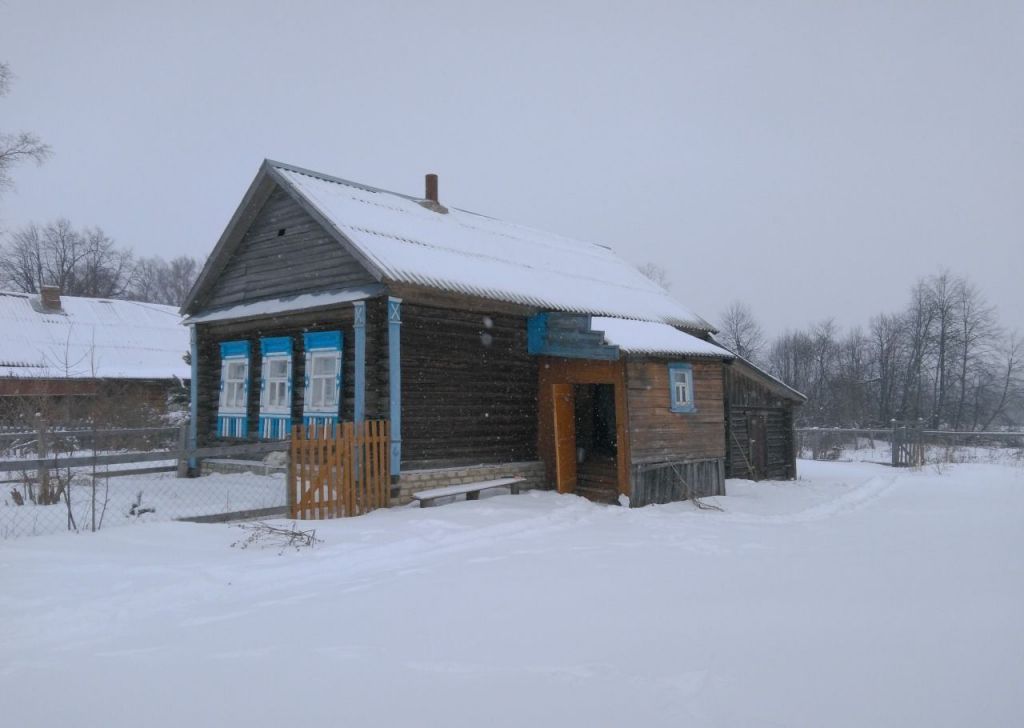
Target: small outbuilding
[
  {"x": 493, "y": 349},
  {"x": 64, "y": 354},
  {"x": 759, "y": 416}
]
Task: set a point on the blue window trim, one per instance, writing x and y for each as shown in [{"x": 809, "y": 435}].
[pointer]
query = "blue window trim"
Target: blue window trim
[
  {"x": 680, "y": 367},
  {"x": 229, "y": 349},
  {"x": 322, "y": 340},
  {"x": 319, "y": 342},
  {"x": 276, "y": 345},
  {"x": 275, "y": 423},
  {"x": 231, "y": 422}
]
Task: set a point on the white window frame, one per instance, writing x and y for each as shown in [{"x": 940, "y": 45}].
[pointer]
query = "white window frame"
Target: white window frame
[
  {"x": 236, "y": 391},
  {"x": 327, "y": 381},
  {"x": 277, "y": 385}
]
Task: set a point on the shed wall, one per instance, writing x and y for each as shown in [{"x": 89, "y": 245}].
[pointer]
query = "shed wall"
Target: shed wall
[{"x": 744, "y": 397}]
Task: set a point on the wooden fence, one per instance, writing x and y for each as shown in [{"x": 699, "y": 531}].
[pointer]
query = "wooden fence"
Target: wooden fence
[{"x": 339, "y": 471}]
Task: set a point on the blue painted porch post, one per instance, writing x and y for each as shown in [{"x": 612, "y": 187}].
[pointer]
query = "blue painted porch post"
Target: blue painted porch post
[
  {"x": 360, "y": 328},
  {"x": 193, "y": 398},
  {"x": 395, "y": 380}
]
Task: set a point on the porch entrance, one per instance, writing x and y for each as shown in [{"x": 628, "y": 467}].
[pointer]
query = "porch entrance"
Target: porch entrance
[{"x": 583, "y": 436}]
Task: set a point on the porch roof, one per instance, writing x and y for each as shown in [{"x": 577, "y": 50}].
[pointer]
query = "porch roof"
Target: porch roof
[
  {"x": 648, "y": 337},
  {"x": 288, "y": 304}
]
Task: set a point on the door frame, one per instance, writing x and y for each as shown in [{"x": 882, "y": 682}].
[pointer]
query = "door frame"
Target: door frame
[{"x": 558, "y": 371}]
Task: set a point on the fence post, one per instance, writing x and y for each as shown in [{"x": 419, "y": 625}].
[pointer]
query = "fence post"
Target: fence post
[
  {"x": 183, "y": 451},
  {"x": 293, "y": 460},
  {"x": 44, "y": 472}
]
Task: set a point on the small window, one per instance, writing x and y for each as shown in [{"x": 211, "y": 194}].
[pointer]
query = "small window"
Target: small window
[
  {"x": 680, "y": 383},
  {"x": 322, "y": 379},
  {"x": 234, "y": 384}
]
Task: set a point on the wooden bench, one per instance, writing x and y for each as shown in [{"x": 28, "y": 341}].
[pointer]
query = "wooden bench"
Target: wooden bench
[{"x": 472, "y": 491}]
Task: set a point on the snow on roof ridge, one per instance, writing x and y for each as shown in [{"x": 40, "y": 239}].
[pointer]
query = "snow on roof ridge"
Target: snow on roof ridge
[
  {"x": 380, "y": 190},
  {"x": 467, "y": 252}
]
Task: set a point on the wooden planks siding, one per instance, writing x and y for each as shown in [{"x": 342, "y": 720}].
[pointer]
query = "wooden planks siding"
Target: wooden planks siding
[
  {"x": 267, "y": 265},
  {"x": 469, "y": 388},
  {"x": 669, "y": 482},
  {"x": 659, "y": 435}
]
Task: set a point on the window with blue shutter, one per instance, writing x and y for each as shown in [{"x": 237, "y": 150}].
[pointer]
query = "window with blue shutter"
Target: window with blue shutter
[
  {"x": 321, "y": 400},
  {"x": 680, "y": 386},
  {"x": 232, "y": 412},
  {"x": 275, "y": 388}
]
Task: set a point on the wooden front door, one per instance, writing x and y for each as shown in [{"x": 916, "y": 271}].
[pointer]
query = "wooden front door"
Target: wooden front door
[
  {"x": 758, "y": 433},
  {"x": 565, "y": 437}
]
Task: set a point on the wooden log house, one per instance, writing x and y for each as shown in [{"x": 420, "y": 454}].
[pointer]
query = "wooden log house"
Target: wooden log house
[{"x": 490, "y": 347}]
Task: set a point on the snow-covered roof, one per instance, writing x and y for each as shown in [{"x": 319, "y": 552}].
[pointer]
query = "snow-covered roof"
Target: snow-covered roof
[
  {"x": 402, "y": 241},
  {"x": 90, "y": 338},
  {"x": 649, "y": 337}
]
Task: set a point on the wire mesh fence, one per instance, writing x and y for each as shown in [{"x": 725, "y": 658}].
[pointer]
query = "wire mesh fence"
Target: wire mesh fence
[
  {"x": 59, "y": 479},
  {"x": 936, "y": 446}
]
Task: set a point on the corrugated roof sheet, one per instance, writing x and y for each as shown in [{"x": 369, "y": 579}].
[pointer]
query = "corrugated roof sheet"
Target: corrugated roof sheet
[
  {"x": 648, "y": 337},
  {"x": 467, "y": 253},
  {"x": 91, "y": 337}
]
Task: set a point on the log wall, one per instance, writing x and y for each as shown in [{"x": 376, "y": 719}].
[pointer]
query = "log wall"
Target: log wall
[
  {"x": 210, "y": 336},
  {"x": 469, "y": 388}
]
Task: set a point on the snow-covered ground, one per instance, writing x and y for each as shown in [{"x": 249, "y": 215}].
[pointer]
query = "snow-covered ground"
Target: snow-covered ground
[{"x": 857, "y": 596}]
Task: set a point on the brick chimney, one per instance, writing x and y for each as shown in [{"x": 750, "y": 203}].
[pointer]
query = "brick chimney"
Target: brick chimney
[
  {"x": 49, "y": 297},
  {"x": 430, "y": 199}
]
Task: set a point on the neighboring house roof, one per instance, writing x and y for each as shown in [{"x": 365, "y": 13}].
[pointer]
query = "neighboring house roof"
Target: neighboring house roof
[
  {"x": 90, "y": 338},
  {"x": 400, "y": 241},
  {"x": 648, "y": 337}
]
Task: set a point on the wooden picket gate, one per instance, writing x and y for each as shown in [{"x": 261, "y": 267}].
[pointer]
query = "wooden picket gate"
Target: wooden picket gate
[
  {"x": 907, "y": 445},
  {"x": 339, "y": 471}
]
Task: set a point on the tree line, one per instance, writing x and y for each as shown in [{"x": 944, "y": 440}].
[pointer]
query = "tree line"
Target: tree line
[
  {"x": 87, "y": 262},
  {"x": 943, "y": 360}
]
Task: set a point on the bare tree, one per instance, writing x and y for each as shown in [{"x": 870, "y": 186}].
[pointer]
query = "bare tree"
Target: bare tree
[
  {"x": 740, "y": 332},
  {"x": 976, "y": 332},
  {"x": 167, "y": 282},
  {"x": 17, "y": 147},
  {"x": 79, "y": 262},
  {"x": 1010, "y": 381},
  {"x": 943, "y": 295},
  {"x": 656, "y": 273}
]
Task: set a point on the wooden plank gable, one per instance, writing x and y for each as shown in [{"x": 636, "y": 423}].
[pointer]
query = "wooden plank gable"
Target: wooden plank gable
[{"x": 284, "y": 252}]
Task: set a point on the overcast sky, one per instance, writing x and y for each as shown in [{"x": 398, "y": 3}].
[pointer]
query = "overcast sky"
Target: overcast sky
[{"x": 812, "y": 159}]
